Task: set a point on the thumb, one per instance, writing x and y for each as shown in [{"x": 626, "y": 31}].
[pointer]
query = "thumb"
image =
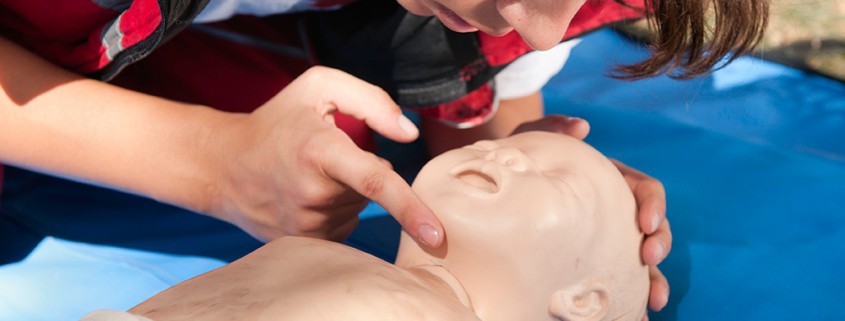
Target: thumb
[
  {"x": 364, "y": 101},
  {"x": 367, "y": 175},
  {"x": 572, "y": 126}
]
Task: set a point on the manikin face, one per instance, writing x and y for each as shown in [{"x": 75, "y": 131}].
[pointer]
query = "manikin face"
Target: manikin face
[
  {"x": 527, "y": 217},
  {"x": 541, "y": 23}
]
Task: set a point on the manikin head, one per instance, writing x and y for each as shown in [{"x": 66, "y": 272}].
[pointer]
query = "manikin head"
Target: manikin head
[{"x": 539, "y": 226}]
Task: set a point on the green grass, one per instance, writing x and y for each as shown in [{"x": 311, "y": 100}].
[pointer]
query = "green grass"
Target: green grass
[{"x": 808, "y": 33}]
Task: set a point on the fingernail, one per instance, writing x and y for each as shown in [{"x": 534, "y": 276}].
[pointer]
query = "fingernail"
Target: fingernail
[
  {"x": 661, "y": 250},
  {"x": 407, "y": 125},
  {"x": 655, "y": 222},
  {"x": 665, "y": 300},
  {"x": 428, "y": 235},
  {"x": 573, "y": 120}
]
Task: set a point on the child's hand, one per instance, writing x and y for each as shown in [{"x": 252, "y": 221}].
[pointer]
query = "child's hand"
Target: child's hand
[
  {"x": 572, "y": 126},
  {"x": 286, "y": 169}
]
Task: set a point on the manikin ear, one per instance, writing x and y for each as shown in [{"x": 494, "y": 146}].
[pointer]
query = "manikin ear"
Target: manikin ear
[{"x": 585, "y": 301}]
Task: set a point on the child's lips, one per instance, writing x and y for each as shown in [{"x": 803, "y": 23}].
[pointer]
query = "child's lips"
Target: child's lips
[{"x": 453, "y": 21}]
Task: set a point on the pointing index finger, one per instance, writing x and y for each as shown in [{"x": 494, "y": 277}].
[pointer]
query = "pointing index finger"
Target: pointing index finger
[{"x": 365, "y": 173}]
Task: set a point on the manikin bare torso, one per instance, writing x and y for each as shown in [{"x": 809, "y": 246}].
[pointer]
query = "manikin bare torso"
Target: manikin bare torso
[{"x": 297, "y": 278}]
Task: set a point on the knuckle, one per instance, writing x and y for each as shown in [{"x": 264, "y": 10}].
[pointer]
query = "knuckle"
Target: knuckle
[
  {"x": 373, "y": 184},
  {"x": 649, "y": 184},
  {"x": 316, "y": 73},
  {"x": 310, "y": 225},
  {"x": 313, "y": 151},
  {"x": 313, "y": 195},
  {"x": 310, "y": 154},
  {"x": 381, "y": 93}
]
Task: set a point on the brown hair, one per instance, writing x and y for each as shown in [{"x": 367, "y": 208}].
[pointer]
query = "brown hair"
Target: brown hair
[{"x": 688, "y": 41}]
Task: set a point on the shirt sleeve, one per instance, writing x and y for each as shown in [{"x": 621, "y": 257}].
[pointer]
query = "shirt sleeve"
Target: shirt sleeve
[
  {"x": 529, "y": 73},
  {"x": 218, "y": 10}
]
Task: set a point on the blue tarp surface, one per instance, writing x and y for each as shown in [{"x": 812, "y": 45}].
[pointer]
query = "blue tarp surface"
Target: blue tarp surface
[{"x": 752, "y": 158}]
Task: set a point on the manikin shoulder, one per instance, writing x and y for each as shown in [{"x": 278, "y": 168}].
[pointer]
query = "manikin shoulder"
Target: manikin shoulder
[{"x": 304, "y": 279}]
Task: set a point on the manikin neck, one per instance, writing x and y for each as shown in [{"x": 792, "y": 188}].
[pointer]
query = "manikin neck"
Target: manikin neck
[{"x": 441, "y": 274}]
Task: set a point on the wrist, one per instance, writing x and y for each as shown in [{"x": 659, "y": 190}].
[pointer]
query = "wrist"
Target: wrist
[{"x": 199, "y": 169}]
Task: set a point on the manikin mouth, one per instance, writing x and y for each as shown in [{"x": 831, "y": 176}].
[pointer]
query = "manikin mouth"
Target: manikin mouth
[{"x": 479, "y": 179}]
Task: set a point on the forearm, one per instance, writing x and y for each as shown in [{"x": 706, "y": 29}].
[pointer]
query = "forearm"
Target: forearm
[
  {"x": 511, "y": 113},
  {"x": 57, "y": 122}
]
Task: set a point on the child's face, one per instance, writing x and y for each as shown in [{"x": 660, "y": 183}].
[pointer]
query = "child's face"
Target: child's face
[{"x": 541, "y": 23}]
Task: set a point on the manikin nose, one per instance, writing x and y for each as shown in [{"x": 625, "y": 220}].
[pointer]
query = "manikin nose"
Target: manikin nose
[{"x": 511, "y": 158}]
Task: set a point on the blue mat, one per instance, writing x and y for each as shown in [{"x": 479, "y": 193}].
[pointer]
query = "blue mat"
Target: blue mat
[
  {"x": 753, "y": 161},
  {"x": 63, "y": 280},
  {"x": 752, "y": 157}
]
